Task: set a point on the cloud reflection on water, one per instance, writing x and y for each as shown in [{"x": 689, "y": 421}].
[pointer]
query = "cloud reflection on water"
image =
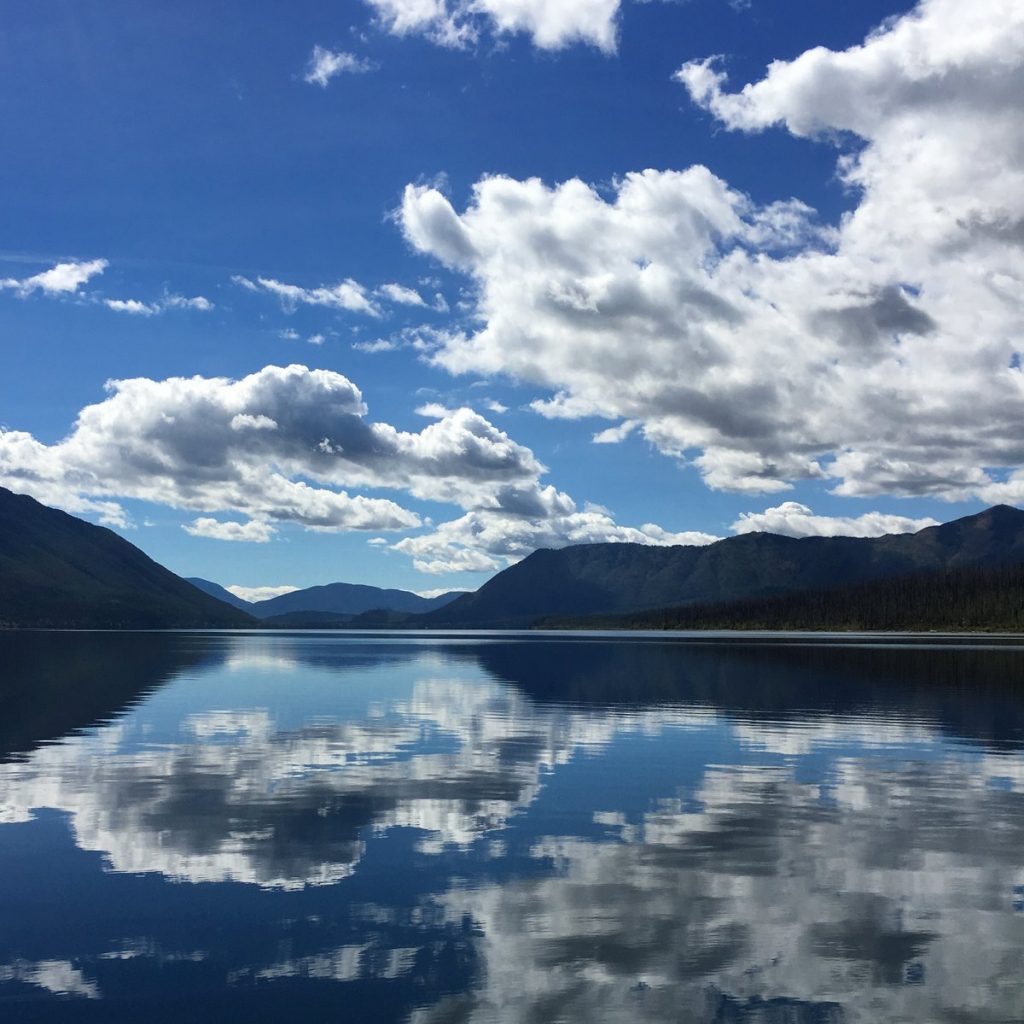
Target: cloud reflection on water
[{"x": 856, "y": 865}]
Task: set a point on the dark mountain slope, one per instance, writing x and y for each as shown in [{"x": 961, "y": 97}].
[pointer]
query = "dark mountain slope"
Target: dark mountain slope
[
  {"x": 348, "y": 599},
  {"x": 56, "y": 570},
  {"x": 989, "y": 599},
  {"x": 616, "y": 578}
]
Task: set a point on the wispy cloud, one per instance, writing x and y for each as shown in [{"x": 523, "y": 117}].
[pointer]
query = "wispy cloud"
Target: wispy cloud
[
  {"x": 348, "y": 294},
  {"x": 376, "y": 346},
  {"x": 138, "y": 308},
  {"x": 400, "y": 294},
  {"x": 324, "y": 64}
]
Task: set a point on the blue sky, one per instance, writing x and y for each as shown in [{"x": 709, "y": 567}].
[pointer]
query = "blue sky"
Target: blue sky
[{"x": 805, "y": 314}]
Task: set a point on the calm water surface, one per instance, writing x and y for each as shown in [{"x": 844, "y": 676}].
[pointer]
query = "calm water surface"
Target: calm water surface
[{"x": 215, "y": 827}]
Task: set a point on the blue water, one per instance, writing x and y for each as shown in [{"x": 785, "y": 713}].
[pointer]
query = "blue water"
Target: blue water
[{"x": 214, "y": 827}]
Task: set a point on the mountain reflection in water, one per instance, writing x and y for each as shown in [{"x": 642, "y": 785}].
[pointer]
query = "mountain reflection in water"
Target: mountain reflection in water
[{"x": 515, "y": 829}]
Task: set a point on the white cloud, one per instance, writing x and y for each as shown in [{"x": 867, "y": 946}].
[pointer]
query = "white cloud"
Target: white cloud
[
  {"x": 198, "y": 302},
  {"x": 139, "y": 308},
  {"x": 348, "y": 294},
  {"x": 489, "y": 539},
  {"x": 249, "y": 446},
  {"x": 61, "y": 279},
  {"x": 433, "y": 411},
  {"x": 246, "y": 421},
  {"x": 255, "y": 594},
  {"x": 254, "y": 531},
  {"x": 316, "y": 339},
  {"x": 400, "y": 294},
  {"x": 616, "y": 434},
  {"x": 792, "y": 519},
  {"x": 133, "y": 306},
  {"x": 326, "y": 64},
  {"x": 459, "y": 23},
  {"x": 752, "y": 342},
  {"x": 375, "y": 346},
  {"x": 281, "y": 444},
  {"x": 244, "y": 282}
]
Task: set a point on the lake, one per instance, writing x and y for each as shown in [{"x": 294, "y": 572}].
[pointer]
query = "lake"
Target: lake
[{"x": 509, "y": 828}]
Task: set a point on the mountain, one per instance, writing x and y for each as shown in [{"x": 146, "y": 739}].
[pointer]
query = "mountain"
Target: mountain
[
  {"x": 219, "y": 592},
  {"x": 602, "y": 579},
  {"x": 310, "y": 620},
  {"x": 987, "y": 599},
  {"x": 348, "y": 599},
  {"x": 56, "y": 570}
]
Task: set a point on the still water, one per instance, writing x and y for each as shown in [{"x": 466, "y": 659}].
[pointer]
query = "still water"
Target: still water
[{"x": 325, "y": 827}]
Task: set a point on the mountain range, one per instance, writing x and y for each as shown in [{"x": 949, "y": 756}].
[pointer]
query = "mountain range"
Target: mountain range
[
  {"x": 59, "y": 571},
  {"x": 335, "y": 602},
  {"x": 605, "y": 579}
]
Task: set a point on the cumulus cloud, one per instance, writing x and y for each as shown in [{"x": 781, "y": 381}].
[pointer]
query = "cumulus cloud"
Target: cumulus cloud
[
  {"x": 751, "y": 341},
  {"x": 460, "y": 23},
  {"x": 792, "y": 519},
  {"x": 251, "y": 446},
  {"x": 286, "y": 445},
  {"x": 326, "y": 64},
  {"x": 254, "y": 531},
  {"x": 61, "y": 279},
  {"x": 348, "y": 294}
]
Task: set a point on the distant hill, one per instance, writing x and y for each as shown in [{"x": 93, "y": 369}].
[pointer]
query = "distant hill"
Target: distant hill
[
  {"x": 59, "y": 571},
  {"x": 308, "y": 620},
  {"x": 603, "y": 579},
  {"x": 948, "y": 600},
  {"x": 221, "y": 593},
  {"x": 348, "y": 599}
]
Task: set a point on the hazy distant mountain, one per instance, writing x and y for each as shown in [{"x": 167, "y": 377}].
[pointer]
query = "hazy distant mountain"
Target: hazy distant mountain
[
  {"x": 219, "y": 592},
  {"x": 593, "y": 579},
  {"x": 56, "y": 570},
  {"x": 348, "y": 599}
]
